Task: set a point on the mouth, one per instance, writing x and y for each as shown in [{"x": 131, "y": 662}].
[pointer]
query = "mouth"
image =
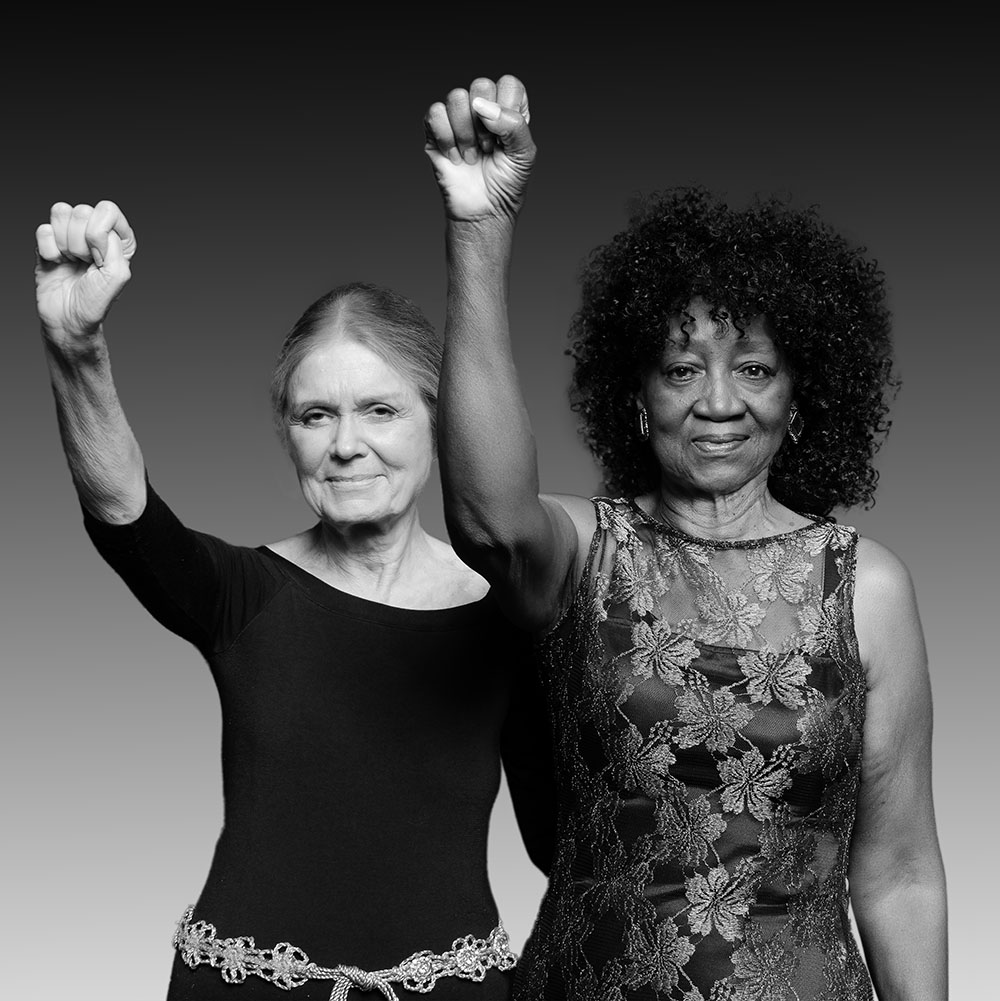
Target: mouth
[
  {"x": 352, "y": 481},
  {"x": 718, "y": 444}
]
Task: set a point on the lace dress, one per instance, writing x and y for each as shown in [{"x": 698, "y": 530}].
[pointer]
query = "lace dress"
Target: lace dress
[{"x": 708, "y": 703}]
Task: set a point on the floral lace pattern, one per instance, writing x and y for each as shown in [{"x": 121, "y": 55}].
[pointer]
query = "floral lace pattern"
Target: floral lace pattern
[{"x": 708, "y": 704}]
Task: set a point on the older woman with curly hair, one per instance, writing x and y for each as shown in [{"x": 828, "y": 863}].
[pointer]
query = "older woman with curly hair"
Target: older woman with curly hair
[{"x": 738, "y": 684}]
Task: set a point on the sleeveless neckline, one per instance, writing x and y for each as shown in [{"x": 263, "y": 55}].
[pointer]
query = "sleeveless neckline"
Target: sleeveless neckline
[{"x": 815, "y": 521}]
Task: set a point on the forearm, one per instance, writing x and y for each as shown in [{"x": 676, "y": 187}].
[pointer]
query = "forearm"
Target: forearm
[
  {"x": 903, "y": 927},
  {"x": 103, "y": 455},
  {"x": 487, "y": 449}
]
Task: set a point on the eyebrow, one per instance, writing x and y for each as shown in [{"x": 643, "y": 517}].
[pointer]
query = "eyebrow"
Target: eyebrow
[
  {"x": 365, "y": 401},
  {"x": 752, "y": 343},
  {"x": 746, "y": 343}
]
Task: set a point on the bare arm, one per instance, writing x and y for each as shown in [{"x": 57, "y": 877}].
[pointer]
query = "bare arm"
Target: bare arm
[
  {"x": 896, "y": 873},
  {"x": 524, "y": 544},
  {"x": 83, "y": 264}
]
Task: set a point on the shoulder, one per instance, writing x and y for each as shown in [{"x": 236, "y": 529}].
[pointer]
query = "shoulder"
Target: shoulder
[
  {"x": 885, "y": 607},
  {"x": 881, "y": 575}
]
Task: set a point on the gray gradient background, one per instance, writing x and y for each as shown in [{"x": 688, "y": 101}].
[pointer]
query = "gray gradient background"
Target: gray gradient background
[{"x": 262, "y": 166}]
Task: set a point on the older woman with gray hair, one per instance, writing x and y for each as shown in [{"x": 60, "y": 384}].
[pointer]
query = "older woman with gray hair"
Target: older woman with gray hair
[{"x": 361, "y": 756}]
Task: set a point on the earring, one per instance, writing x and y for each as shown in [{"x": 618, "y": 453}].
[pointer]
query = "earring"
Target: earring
[
  {"x": 643, "y": 424},
  {"x": 796, "y": 424}
]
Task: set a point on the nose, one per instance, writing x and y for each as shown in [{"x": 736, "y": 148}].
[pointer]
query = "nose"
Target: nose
[
  {"x": 346, "y": 441},
  {"x": 720, "y": 399}
]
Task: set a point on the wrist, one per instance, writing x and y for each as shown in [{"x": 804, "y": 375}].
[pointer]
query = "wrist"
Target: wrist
[
  {"x": 486, "y": 233},
  {"x": 72, "y": 350},
  {"x": 483, "y": 246}
]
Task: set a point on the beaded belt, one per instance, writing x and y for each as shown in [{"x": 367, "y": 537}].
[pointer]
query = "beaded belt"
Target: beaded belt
[{"x": 286, "y": 966}]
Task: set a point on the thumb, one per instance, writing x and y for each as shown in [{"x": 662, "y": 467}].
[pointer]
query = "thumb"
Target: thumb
[
  {"x": 113, "y": 250},
  {"x": 115, "y": 267},
  {"x": 510, "y": 127}
]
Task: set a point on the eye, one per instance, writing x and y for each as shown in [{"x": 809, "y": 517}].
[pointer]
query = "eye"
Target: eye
[
  {"x": 381, "y": 412},
  {"x": 680, "y": 373},
  {"x": 755, "y": 370},
  {"x": 311, "y": 418}
]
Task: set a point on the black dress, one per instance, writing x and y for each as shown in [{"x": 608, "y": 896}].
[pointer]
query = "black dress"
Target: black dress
[{"x": 361, "y": 749}]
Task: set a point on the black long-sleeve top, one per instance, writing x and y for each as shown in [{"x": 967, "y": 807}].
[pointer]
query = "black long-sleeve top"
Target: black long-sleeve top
[{"x": 361, "y": 750}]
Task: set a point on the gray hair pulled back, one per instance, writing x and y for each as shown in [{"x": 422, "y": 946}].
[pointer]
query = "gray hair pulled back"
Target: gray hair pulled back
[{"x": 385, "y": 322}]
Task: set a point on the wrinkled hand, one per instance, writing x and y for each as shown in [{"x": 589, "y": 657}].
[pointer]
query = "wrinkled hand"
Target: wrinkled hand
[
  {"x": 83, "y": 265},
  {"x": 481, "y": 149}
]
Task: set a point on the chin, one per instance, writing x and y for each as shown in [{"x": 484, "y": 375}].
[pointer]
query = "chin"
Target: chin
[
  {"x": 717, "y": 482},
  {"x": 363, "y": 511},
  {"x": 348, "y": 514}
]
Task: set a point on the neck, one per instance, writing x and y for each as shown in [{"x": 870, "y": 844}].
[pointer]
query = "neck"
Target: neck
[
  {"x": 747, "y": 513},
  {"x": 374, "y": 559}
]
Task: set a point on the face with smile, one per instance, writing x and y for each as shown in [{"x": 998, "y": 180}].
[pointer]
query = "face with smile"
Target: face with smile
[
  {"x": 717, "y": 403},
  {"x": 359, "y": 435}
]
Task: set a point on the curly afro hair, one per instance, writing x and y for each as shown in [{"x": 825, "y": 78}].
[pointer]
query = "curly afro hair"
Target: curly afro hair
[{"x": 825, "y": 303}]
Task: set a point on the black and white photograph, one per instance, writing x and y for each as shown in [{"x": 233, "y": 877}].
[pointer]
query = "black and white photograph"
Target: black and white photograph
[{"x": 499, "y": 511}]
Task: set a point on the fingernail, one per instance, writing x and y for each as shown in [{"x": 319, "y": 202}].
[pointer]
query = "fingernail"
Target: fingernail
[
  {"x": 486, "y": 109},
  {"x": 454, "y": 155},
  {"x": 471, "y": 156}
]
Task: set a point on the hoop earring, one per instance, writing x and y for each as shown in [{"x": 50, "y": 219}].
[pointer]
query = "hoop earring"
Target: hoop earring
[
  {"x": 643, "y": 424},
  {"x": 796, "y": 424}
]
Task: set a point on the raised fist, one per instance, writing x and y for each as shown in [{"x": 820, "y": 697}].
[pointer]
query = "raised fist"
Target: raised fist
[
  {"x": 479, "y": 143},
  {"x": 83, "y": 264}
]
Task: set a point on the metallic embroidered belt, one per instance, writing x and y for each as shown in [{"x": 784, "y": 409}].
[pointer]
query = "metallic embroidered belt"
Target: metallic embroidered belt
[{"x": 286, "y": 966}]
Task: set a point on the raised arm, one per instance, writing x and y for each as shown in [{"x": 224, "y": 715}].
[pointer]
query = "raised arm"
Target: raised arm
[
  {"x": 197, "y": 586},
  {"x": 526, "y": 545},
  {"x": 896, "y": 876},
  {"x": 83, "y": 265}
]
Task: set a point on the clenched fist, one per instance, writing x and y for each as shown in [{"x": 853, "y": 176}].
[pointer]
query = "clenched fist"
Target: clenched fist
[
  {"x": 83, "y": 264},
  {"x": 481, "y": 149}
]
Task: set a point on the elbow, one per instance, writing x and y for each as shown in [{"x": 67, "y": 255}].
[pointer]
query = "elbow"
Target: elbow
[
  {"x": 905, "y": 878},
  {"x": 469, "y": 533},
  {"x": 476, "y": 544},
  {"x": 476, "y": 528}
]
